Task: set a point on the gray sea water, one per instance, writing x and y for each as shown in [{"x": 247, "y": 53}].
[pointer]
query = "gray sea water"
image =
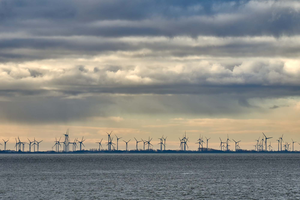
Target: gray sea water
[{"x": 148, "y": 176}]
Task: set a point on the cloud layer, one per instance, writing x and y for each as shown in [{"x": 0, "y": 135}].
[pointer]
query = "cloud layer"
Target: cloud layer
[{"x": 73, "y": 60}]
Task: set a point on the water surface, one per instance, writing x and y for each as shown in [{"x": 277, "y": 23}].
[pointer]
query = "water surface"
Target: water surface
[{"x": 150, "y": 176}]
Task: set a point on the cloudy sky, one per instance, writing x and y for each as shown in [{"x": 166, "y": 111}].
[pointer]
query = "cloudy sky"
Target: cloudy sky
[{"x": 147, "y": 68}]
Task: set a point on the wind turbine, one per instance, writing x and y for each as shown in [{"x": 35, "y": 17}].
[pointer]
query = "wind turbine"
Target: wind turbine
[
  {"x": 100, "y": 145},
  {"x": 236, "y": 144},
  {"x": 126, "y": 144},
  {"x": 5, "y": 144},
  {"x": 57, "y": 144},
  {"x": 183, "y": 142},
  {"x": 207, "y": 143},
  {"x": 38, "y": 145},
  {"x": 200, "y": 142},
  {"x": 66, "y": 142},
  {"x": 21, "y": 144},
  {"x": 293, "y": 144},
  {"x": 18, "y": 147},
  {"x": 281, "y": 140},
  {"x": 286, "y": 146},
  {"x": 109, "y": 141},
  {"x": 144, "y": 144},
  {"x": 137, "y": 144},
  {"x": 161, "y": 143},
  {"x": 266, "y": 141},
  {"x": 29, "y": 144},
  {"x": 270, "y": 146},
  {"x": 257, "y": 144},
  {"x": 117, "y": 142},
  {"x": 165, "y": 140},
  {"x": 81, "y": 144},
  {"x": 227, "y": 143},
  {"x": 149, "y": 143},
  {"x": 221, "y": 144},
  {"x": 74, "y": 144}
]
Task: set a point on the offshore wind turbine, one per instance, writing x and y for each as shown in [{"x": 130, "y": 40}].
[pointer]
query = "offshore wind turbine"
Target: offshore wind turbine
[
  {"x": 161, "y": 143},
  {"x": 165, "y": 140},
  {"x": 227, "y": 143},
  {"x": 270, "y": 146},
  {"x": 200, "y": 142},
  {"x": 109, "y": 141},
  {"x": 57, "y": 144},
  {"x": 144, "y": 144},
  {"x": 281, "y": 140},
  {"x": 262, "y": 144},
  {"x": 118, "y": 141},
  {"x": 5, "y": 141},
  {"x": 221, "y": 144},
  {"x": 207, "y": 143},
  {"x": 149, "y": 143},
  {"x": 74, "y": 144},
  {"x": 66, "y": 142},
  {"x": 126, "y": 144},
  {"x": 137, "y": 144},
  {"x": 38, "y": 144},
  {"x": 236, "y": 144},
  {"x": 293, "y": 142},
  {"x": 100, "y": 145},
  {"x": 81, "y": 143},
  {"x": 29, "y": 144},
  {"x": 183, "y": 142},
  {"x": 266, "y": 141},
  {"x": 257, "y": 144}
]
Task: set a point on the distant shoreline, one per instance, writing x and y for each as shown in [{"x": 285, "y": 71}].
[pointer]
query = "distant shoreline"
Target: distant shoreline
[{"x": 154, "y": 152}]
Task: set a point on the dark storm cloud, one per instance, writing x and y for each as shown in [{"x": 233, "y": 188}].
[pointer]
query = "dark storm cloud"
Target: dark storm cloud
[
  {"x": 43, "y": 28},
  {"x": 150, "y": 18}
]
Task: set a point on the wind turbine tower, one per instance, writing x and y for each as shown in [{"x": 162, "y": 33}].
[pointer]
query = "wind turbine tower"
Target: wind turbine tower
[
  {"x": 281, "y": 140},
  {"x": 74, "y": 144},
  {"x": 66, "y": 142},
  {"x": 109, "y": 141},
  {"x": 38, "y": 145},
  {"x": 266, "y": 141},
  {"x": 293, "y": 142},
  {"x": 161, "y": 143},
  {"x": 126, "y": 144},
  {"x": 227, "y": 143},
  {"x": 137, "y": 144},
  {"x": 144, "y": 144},
  {"x": 149, "y": 143},
  {"x": 100, "y": 145},
  {"x": 207, "y": 143},
  {"x": 270, "y": 146},
  {"x": 165, "y": 140},
  {"x": 5, "y": 144},
  {"x": 29, "y": 144},
  {"x": 117, "y": 142},
  {"x": 57, "y": 144},
  {"x": 236, "y": 144},
  {"x": 81, "y": 144},
  {"x": 221, "y": 144},
  {"x": 183, "y": 142}
]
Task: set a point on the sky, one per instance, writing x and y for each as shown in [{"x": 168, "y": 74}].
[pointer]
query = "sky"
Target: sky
[{"x": 148, "y": 68}]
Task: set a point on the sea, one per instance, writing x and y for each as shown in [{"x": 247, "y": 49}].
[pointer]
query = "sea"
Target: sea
[{"x": 150, "y": 176}]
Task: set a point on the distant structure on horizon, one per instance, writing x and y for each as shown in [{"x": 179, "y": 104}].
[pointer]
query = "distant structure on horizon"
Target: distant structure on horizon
[{"x": 261, "y": 145}]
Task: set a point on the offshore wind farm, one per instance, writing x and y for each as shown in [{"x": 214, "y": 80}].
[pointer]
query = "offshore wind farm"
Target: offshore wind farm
[{"x": 67, "y": 145}]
